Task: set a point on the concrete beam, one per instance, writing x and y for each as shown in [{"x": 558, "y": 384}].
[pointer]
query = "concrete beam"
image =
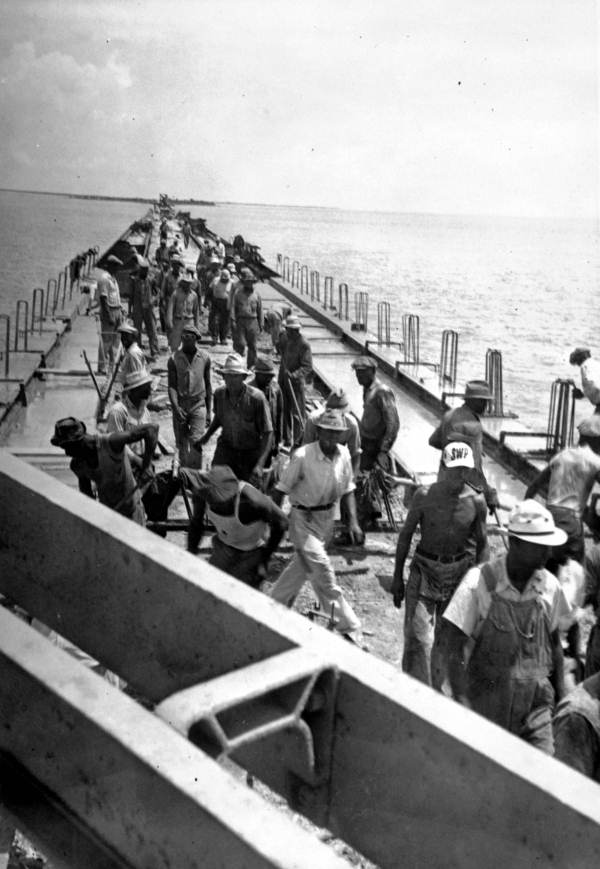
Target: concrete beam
[{"x": 415, "y": 778}]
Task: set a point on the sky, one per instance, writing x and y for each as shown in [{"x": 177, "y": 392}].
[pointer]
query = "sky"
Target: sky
[{"x": 470, "y": 106}]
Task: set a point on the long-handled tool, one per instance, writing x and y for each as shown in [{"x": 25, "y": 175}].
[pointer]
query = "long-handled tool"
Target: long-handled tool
[
  {"x": 501, "y": 526},
  {"x": 300, "y": 416}
]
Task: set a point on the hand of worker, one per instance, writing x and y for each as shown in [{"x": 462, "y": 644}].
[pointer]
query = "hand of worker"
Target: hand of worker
[
  {"x": 146, "y": 475},
  {"x": 577, "y": 393},
  {"x": 397, "y": 590},
  {"x": 383, "y": 460},
  {"x": 356, "y": 534},
  {"x": 261, "y": 572},
  {"x": 492, "y": 501},
  {"x": 181, "y": 414},
  {"x": 200, "y": 442},
  {"x": 256, "y": 477}
]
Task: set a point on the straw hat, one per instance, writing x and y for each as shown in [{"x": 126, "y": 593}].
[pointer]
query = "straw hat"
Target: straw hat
[
  {"x": 531, "y": 522},
  {"x": 337, "y": 399},
  {"x": 137, "y": 378},
  {"x": 332, "y": 420},
  {"x": 292, "y": 322},
  {"x": 234, "y": 364}
]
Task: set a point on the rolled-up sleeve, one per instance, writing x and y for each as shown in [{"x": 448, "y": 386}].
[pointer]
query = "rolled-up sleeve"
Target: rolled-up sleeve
[{"x": 290, "y": 475}]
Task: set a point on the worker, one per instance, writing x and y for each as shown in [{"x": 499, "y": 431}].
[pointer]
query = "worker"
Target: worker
[
  {"x": 187, "y": 232},
  {"x": 130, "y": 410},
  {"x": 576, "y": 727},
  {"x": 569, "y": 478},
  {"x": 591, "y": 566},
  {"x": 220, "y": 306},
  {"x": 102, "y": 460},
  {"x": 379, "y": 424},
  {"x": 248, "y": 525},
  {"x": 274, "y": 319},
  {"x": 246, "y": 316},
  {"x": 295, "y": 371},
  {"x": 464, "y": 424},
  {"x": 133, "y": 356},
  {"x": 510, "y": 609},
  {"x": 264, "y": 380},
  {"x": 590, "y": 376},
  {"x": 451, "y": 515},
  {"x": 318, "y": 476},
  {"x": 161, "y": 255},
  {"x": 190, "y": 394},
  {"x": 168, "y": 287},
  {"x": 143, "y": 292},
  {"x": 242, "y": 414},
  {"x": 108, "y": 298},
  {"x": 337, "y": 400},
  {"x": 183, "y": 310}
]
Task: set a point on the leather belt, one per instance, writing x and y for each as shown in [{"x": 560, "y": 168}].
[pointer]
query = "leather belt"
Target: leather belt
[
  {"x": 444, "y": 559},
  {"x": 314, "y": 509}
]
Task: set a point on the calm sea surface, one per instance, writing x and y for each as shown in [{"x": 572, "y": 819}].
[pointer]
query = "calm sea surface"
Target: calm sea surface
[{"x": 526, "y": 287}]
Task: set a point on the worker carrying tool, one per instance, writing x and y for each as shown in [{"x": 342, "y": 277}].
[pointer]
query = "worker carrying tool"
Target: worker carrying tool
[
  {"x": 451, "y": 515},
  {"x": 464, "y": 424},
  {"x": 101, "y": 461},
  {"x": 318, "y": 475},
  {"x": 509, "y": 611},
  {"x": 295, "y": 371},
  {"x": 190, "y": 394},
  {"x": 246, "y": 316},
  {"x": 248, "y": 525}
]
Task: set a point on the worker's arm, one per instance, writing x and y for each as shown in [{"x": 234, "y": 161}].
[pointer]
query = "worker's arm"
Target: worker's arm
[
  {"x": 271, "y": 513},
  {"x": 85, "y": 486},
  {"x": 435, "y": 439},
  {"x": 305, "y": 368},
  {"x": 411, "y": 522},
  {"x": 259, "y": 312},
  {"x": 540, "y": 482},
  {"x": 214, "y": 426},
  {"x": 389, "y": 413},
  {"x": 557, "y": 677},
  {"x": 173, "y": 391},
  {"x": 208, "y": 388},
  {"x": 455, "y": 643},
  {"x": 348, "y": 504},
  {"x": 482, "y": 550},
  {"x": 148, "y": 433},
  {"x": 196, "y": 311},
  {"x": 169, "y": 311},
  {"x": 266, "y": 445}
]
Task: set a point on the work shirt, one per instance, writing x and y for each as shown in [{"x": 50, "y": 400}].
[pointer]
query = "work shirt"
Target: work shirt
[
  {"x": 133, "y": 360},
  {"x": 190, "y": 376},
  {"x": 471, "y": 601},
  {"x": 296, "y": 358},
  {"x": 247, "y": 305},
  {"x": 447, "y": 521},
  {"x": 573, "y": 473},
  {"x": 143, "y": 292},
  {"x": 380, "y": 420},
  {"x": 113, "y": 478},
  {"x": 245, "y": 421},
  {"x": 272, "y": 393},
  {"x": 313, "y": 480},
  {"x": 124, "y": 416},
  {"x": 460, "y": 424},
  {"x": 351, "y": 438},
  {"x": 162, "y": 254},
  {"x": 221, "y": 290},
  {"x": 577, "y": 728},
  {"x": 183, "y": 305},
  {"x": 109, "y": 289},
  {"x": 169, "y": 285},
  {"x": 590, "y": 380}
]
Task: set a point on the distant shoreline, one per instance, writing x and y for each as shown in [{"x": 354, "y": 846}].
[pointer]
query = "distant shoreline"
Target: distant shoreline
[{"x": 105, "y": 198}]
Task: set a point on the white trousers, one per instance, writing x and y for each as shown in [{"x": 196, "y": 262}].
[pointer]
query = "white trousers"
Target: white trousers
[{"x": 309, "y": 532}]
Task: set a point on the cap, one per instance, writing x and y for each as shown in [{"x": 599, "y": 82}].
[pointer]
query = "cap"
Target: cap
[
  {"x": 590, "y": 427},
  {"x": 364, "y": 362},
  {"x": 234, "y": 364},
  {"x": 136, "y": 378},
  {"x": 127, "y": 329},
  {"x": 68, "y": 431},
  {"x": 332, "y": 420},
  {"x": 189, "y": 327},
  {"x": 337, "y": 399},
  {"x": 458, "y": 455},
  {"x": 247, "y": 274},
  {"x": 263, "y": 366},
  {"x": 531, "y": 522},
  {"x": 292, "y": 322},
  {"x": 478, "y": 389}
]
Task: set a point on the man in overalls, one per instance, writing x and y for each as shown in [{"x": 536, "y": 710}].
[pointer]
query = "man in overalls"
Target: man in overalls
[
  {"x": 510, "y": 610},
  {"x": 248, "y": 525}
]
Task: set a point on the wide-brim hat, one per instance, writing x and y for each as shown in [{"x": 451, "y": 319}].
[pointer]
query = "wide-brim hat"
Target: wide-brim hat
[
  {"x": 185, "y": 280},
  {"x": 364, "y": 362},
  {"x": 114, "y": 260},
  {"x": 234, "y": 364},
  {"x": 292, "y": 322},
  {"x": 191, "y": 329},
  {"x": 247, "y": 274},
  {"x": 263, "y": 366},
  {"x": 218, "y": 485},
  {"x": 478, "y": 389},
  {"x": 127, "y": 329},
  {"x": 531, "y": 522},
  {"x": 68, "y": 430},
  {"x": 337, "y": 399},
  {"x": 332, "y": 420},
  {"x": 136, "y": 378}
]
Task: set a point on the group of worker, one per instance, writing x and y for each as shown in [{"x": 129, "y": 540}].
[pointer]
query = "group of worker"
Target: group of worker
[{"x": 488, "y": 632}]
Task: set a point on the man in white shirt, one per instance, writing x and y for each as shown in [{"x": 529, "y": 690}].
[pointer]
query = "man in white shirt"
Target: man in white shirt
[
  {"x": 590, "y": 376},
  {"x": 509, "y": 611},
  {"x": 318, "y": 475}
]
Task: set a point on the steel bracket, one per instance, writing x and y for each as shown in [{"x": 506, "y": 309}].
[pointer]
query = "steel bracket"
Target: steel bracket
[{"x": 274, "y": 718}]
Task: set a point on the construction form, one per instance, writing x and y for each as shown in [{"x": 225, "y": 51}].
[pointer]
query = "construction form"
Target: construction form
[{"x": 220, "y": 678}]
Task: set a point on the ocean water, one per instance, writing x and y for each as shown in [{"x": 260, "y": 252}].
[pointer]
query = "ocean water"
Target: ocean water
[{"x": 526, "y": 287}]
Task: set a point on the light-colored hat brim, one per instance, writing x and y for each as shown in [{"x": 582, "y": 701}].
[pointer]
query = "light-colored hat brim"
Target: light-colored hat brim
[{"x": 555, "y": 538}]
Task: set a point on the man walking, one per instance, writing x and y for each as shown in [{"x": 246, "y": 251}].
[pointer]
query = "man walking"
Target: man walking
[
  {"x": 220, "y": 306},
  {"x": 103, "y": 461},
  {"x": 109, "y": 300},
  {"x": 168, "y": 287},
  {"x": 182, "y": 310},
  {"x": 379, "y": 424},
  {"x": 337, "y": 400},
  {"x": 318, "y": 475},
  {"x": 133, "y": 356},
  {"x": 246, "y": 316},
  {"x": 190, "y": 394},
  {"x": 248, "y": 525},
  {"x": 295, "y": 371},
  {"x": 451, "y": 515},
  {"x": 264, "y": 380},
  {"x": 142, "y": 308},
  {"x": 509, "y": 610},
  {"x": 242, "y": 414}
]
